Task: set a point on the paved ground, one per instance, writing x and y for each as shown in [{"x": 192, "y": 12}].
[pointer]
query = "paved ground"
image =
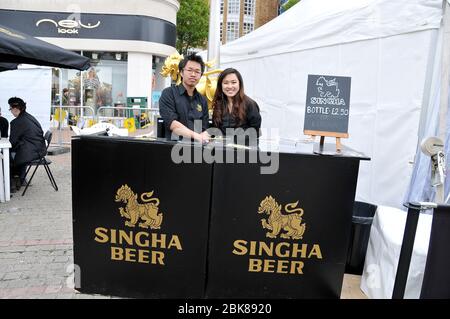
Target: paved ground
[{"x": 36, "y": 240}]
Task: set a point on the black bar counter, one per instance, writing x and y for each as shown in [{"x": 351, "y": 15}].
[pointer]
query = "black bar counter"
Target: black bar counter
[{"x": 146, "y": 225}]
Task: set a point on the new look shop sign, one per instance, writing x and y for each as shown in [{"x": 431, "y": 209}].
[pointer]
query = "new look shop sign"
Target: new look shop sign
[{"x": 68, "y": 26}]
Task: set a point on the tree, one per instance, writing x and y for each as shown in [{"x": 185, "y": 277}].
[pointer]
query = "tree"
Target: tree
[
  {"x": 192, "y": 24},
  {"x": 289, "y": 4}
]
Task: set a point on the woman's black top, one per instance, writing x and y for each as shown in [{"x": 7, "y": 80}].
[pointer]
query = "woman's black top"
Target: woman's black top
[{"x": 252, "y": 118}]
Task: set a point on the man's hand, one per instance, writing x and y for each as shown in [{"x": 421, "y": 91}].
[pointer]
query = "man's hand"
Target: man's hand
[
  {"x": 205, "y": 137},
  {"x": 202, "y": 137}
]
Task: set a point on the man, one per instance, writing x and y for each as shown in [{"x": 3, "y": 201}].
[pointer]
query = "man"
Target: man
[
  {"x": 65, "y": 96},
  {"x": 182, "y": 106},
  {"x": 4, "y": 125}
]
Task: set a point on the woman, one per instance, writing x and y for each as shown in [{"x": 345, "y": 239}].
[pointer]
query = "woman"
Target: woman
[
  {"x": 231, "y": 107},
  {"x": 26, "y": 137}
]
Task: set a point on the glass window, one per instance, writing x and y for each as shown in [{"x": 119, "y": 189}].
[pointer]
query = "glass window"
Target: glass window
[
  {"x": 158, "y": 81},
  {"x": 221, "y": 31},
  {"x": 97, "y": 87},
  {"x": 247, "y": 27},
  {"x": 105, "y": 80},
  {"x": 221, "y": 6},
  {"x": 232, "y": 31},
  {"x": 234, "y": 6},
  {"x": 55, "y": 87},
  {"x": 249, "y": 7}
]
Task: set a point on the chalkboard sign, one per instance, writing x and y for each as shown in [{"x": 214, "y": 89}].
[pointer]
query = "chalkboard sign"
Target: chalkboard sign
[{"x": 327, "y": 105}]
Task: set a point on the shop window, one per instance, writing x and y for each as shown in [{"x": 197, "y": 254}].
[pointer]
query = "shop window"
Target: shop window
[
  {"x": 83, "y": 93},
  {"x": 158, "y": 82}
]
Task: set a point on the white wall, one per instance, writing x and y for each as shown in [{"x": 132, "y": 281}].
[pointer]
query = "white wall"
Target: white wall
[
  {"x": 162, "y": 9},
  {"x": 139, "y": 75}
]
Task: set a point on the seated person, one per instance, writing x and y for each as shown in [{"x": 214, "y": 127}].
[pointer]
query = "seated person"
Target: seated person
[
  {"x": 233, "y": 109},
  {"x": 27, "y": 139},
  {"x": 182, "y": 105},
  {"x": 4, "y": 125}
]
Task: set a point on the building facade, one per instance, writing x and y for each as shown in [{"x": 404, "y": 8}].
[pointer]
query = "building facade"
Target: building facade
[
  {"x": 127, "y": 42},
  {"x": 239, "y": 17}
]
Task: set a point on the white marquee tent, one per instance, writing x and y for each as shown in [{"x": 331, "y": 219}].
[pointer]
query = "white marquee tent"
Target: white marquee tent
[{"x": 390, "y": 49}]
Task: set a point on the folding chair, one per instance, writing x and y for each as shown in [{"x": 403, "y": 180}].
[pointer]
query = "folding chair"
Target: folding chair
[{"x": 42, "y": 161}]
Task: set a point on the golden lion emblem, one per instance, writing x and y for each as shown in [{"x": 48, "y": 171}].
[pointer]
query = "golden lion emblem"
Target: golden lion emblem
[
  {"x": 277, "y": 221},
  {"x": 134, "y": 211}
]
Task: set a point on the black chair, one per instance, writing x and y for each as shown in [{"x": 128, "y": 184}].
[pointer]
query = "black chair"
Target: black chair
[{"x": 42, "y": 161}]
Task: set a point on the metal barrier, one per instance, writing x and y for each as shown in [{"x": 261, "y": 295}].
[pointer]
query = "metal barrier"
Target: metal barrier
[
  {"x": 115, "y": 115},
  {"x": 59, "y": 115},
  {"x": 118, "y": 114}
]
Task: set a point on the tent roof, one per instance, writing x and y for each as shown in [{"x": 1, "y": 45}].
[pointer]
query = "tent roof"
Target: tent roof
[
  {"x": 318, "y": 23},
  {"x": 18, "y": 47}
]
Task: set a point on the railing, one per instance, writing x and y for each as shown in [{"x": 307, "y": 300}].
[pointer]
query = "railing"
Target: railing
[
  {"x": 116, "y": 115},
  {"x": 79, "y": 114}
]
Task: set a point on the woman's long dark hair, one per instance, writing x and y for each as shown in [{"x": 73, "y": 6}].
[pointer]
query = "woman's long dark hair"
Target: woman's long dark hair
[{"x": 220, "y": 101}]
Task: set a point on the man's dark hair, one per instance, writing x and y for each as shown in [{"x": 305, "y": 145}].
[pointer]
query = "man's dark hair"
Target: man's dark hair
[
  {"x": 192, "y": 57},
  {"x": 17, "y": 103}
]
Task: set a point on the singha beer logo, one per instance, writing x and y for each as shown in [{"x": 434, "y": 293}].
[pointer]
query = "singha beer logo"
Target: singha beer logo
[
  {"x": 138, "y": 246},
  {"x": 327, "y": 88},
  {"x": 280, "y": 257},
  {"x": 279, "y": 222},
  {"x": 134, "y": 211}
]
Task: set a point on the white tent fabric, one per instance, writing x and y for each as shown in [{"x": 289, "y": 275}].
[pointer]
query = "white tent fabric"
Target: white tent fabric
[
  {"x": 434, "y": 113},
  {"x": 33, "y": 85},
  {"x": 318, "y": 23},
  {"x": 420, "y": 188},
  {"x": 383, "y": 252},
  {"x": 385, "y": 46}
]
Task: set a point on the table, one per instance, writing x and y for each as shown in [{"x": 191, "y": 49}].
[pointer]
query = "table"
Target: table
[
  {"x": 116, "y": 185},
  {"x": 282, "y": 235},
  {"x": 147, "y": 224},
  {"x": 5, "y": 145}
]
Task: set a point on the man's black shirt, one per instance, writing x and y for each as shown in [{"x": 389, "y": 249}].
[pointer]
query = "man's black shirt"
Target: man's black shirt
[{"x": 176, "y": 104}]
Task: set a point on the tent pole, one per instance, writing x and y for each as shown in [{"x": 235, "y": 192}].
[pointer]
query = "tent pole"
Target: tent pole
[
  {"x": 214, "y": 33},
  {"x": 445, "y": 71}
]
